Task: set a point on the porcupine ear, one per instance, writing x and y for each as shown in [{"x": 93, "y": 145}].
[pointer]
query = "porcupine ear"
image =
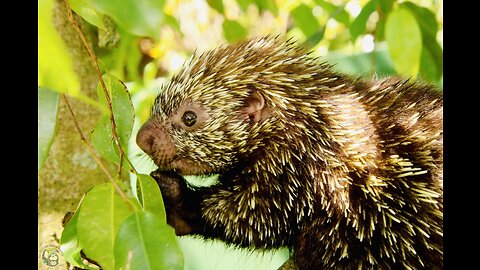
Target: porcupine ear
[{"x": 254, "y": 109}]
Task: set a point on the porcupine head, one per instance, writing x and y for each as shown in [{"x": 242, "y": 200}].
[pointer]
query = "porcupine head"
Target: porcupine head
[
  {"x": 286, "y": 136},
  {"x": 228, "y": 112}
]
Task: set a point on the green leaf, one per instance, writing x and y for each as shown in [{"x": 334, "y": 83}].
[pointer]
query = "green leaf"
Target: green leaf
[
  {"x": 315, "y": 38},
  {"x": 362, "y": 63},
  {"x": 102, "y": 139},
  {"x": 359, "y": 24},
  {"x": 431, "y": 62},
  {"x": 123, "y": 60},
  {"x": 124, "y": 114},
  {"x": 141, "y": 18},
  {"x": 404, "y": 39},
  {"x": 267, "y": 5},
  {"x": 380, "y": 29},
  {"x": 426, "y": 18},
  {"x": 47, "y": 121},
  {"x": 102, "y": 212},
  {"x": 55, "y": 65},
  {"x": 150, "y": 197},
  {"x": 132, "y": 57},
  {"x": 336, "y": 12},
  {"x": 144, "y": 241},
  {"x": 87, "y": 11},
  {"x": 432, "y": 54},
  {"x": 304, "y": 19},
  {"x": 70, "y": 246},
  {"x": 428, "y": 66},
  {"x": 385, "y": 6},
  {"x": 233, "y": 31},
  {"x": 217, "y": 5}
]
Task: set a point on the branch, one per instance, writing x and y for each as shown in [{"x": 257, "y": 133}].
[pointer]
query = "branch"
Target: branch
[
  {"x": 107, "y": 96},
  {"x": 94, "y": 155}
]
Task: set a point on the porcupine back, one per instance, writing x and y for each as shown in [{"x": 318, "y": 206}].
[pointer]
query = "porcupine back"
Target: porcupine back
[
  {"x": 353, "y": 166},
  {"x": 384, "y": 205}
]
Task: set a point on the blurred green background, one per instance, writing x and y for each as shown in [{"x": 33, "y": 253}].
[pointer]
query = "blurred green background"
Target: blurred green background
[{"x": 145, "y": 42}]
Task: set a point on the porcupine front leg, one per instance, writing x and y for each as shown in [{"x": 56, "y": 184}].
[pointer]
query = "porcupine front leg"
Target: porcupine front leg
[
  {"x": 234, "y": 214},
  {"x": 246, "y": 214},
  {"x": 182, "y": 204}
]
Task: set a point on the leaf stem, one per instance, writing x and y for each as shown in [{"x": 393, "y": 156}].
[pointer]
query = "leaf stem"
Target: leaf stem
[
  {"x": 94, "y": 155},
  {"x": 99, "y": 73}
]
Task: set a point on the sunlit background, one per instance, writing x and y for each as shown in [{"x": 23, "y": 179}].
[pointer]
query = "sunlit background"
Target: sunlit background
[{"x": 330, "y": 28}]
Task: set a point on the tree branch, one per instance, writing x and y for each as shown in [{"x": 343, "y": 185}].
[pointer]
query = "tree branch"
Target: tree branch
[
  {"x": 99, "y": 73},
  {"x": 94, "y": 155}
]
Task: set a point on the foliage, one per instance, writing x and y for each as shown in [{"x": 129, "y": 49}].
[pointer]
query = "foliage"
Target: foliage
[
  {"x": 50, "y": 43},
  {"x": 143, "y": 42},
  {"x": 47, "y": 117}
]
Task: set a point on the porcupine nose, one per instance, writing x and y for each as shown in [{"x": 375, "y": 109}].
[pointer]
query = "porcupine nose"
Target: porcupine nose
[{"x": 156, "y": 142}]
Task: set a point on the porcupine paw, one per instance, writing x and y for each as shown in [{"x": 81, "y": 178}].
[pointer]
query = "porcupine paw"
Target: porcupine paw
[
  {"x": 173, "y": 189},
  {"x": 171, "y": 185}
]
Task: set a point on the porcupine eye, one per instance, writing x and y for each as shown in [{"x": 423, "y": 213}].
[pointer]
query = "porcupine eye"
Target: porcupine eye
[{"x": 189, "y": 118}]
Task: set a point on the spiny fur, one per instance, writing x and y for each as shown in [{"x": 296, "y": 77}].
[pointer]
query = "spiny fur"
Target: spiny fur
[{"x": 346, "y": 172}]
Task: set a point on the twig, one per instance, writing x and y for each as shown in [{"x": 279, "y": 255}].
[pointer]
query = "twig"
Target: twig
[
  {"x": 99, "y": 73},
  {"x": 94, "y": 155}
]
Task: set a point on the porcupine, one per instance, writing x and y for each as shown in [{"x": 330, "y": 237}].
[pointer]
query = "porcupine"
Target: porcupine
[{"x": 345, "y": 172}]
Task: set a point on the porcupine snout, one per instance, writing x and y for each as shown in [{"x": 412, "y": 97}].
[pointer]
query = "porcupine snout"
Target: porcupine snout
[{"x": 153, "y": 139}]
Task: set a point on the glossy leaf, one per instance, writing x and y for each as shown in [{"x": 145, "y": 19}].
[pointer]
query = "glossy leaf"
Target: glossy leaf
[
  {"x": 435, "y": 53},
  {"x": 426, "y": 18},
  {"x": 101, "y": 214},
  {"x": 47, "y": 121},
  {"x": 358, "y": 25},
  {"x": 102, "y": 139},
  {"x": 55, "y": 64},
  {"x": 431, "y": 62},
  {"x": 141, "y": 18},
  {"x": 121, "y": 105},
  {"x": 428, "y": 66},
  {"x": 124, "y": 114},
  {"x": 304, "y": 19},
  {"x": 404, "y": 39},
  {"x": 70, "y": 246},
  {"x": 150, "y": 197},
  {"x": 144, "y": 241},
  {"x": 233, "y": 31},
  {"x": 87, "y": 11}
]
